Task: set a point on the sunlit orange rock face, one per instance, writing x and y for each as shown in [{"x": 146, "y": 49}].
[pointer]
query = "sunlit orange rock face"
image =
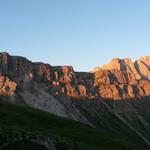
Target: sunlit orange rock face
[
  {"x": 119, "y": 79},
  {"x": 122, "y": 79},
  {"x": 7, "y": 87}
]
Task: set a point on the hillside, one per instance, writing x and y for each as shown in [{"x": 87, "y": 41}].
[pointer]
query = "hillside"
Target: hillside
[
  {"x": 19, "y": 121},
  {"x": 106, "y": 107}
]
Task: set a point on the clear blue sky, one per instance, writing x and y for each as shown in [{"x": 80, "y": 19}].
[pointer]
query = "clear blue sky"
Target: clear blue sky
[{"x": 81, "y": 33}]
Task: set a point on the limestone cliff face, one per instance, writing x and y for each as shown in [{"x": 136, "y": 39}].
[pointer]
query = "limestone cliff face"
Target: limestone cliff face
[
  {"x": 58, "y": 79},
  {"x": 119, "y": 79},
  {"x": 123, "y": 65},
  {"x": 122, "y": 79},
  {"x": 143, "y": 67},
  {"x": 7, "y": 87}
]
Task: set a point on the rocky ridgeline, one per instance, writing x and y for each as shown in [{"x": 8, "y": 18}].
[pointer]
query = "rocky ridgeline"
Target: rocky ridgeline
[
  {"x": 59, "y": 79},
  {"x": 120, "y": 79}
]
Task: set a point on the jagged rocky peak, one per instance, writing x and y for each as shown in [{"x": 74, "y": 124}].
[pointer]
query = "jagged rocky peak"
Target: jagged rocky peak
[
  {"x": 145, "y": 59},
  {"x": 124, "y": 65},
  {"x": 143, "y": 67},
  {"x": 118, "y": 64},
  {"x": 127, "y": 64},
  {"x": 115, "y": 63},
  {"x": 121, "y": 78}
]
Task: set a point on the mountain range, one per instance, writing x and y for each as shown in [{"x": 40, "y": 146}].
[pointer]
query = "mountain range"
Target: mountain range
[{"x": 113, "y": 99}]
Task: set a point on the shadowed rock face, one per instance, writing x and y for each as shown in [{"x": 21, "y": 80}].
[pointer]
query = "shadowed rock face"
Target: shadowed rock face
[{"x": 119, "y": 79}]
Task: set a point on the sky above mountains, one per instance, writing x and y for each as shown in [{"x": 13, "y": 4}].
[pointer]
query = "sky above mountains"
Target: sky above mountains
[{"x": 81, "y": 33}]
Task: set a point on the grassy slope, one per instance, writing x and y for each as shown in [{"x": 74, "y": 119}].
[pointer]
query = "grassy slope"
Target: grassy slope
[
  {"x": 24, "y": 145},
  {"x": 32, "y": 120}
]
